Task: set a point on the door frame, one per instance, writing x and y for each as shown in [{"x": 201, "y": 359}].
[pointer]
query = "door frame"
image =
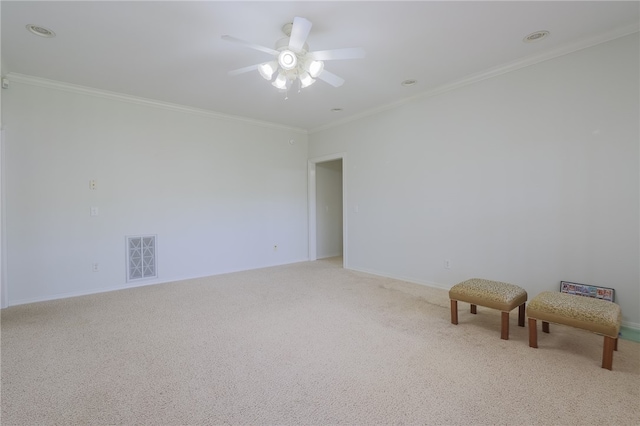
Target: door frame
[
  {"x": 311, "y": 166},
  {"x": 4, "y": 291}
]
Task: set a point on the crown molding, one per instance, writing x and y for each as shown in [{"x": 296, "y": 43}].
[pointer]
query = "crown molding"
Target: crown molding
[
  {"x": 492, "y": 72},
  {"x": 89, "y": 91}
]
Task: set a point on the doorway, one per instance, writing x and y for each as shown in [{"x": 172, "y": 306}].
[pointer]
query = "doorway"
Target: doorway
[{"x": 327, "y": 208}]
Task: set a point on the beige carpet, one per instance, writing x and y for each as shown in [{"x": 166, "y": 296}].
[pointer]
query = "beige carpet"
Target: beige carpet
[{"x": 308, "y": 343}]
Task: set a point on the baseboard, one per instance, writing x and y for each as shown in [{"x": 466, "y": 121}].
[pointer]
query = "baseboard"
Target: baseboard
[
  {"x": 60, "y": 296},
  {"x": 630, "y": 333},
  {"x": 402, "y": 278},
  {"x": 327, "y": 256},
  {"x": 629, "y": 330}
]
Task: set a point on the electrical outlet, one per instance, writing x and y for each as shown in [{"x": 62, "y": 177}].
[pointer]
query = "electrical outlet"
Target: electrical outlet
[
  {"x": 95, "y": 267},
  {"x": 447, "y": 264},
  {"x": 275, "y": 248},
  {"x": 92, "y": 185}
]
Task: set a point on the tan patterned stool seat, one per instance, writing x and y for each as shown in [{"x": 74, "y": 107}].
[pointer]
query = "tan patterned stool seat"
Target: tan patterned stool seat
[
  {"x": 587, "y": 313},
  {"x": 491, "y": 294}
]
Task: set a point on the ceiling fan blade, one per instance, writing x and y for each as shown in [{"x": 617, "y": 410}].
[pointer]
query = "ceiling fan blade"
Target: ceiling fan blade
[
  {"x": 250, "y": 45},
  {"x": 299, "y": 33},
  {"x": 331, "y": 78},
  {"x": 346, "y": 53},
  {"x": 243, "y": 70}
]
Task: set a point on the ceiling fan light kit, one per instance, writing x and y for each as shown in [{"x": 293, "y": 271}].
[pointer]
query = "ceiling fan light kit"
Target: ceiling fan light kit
[
  {"x": 291, "y": 66},
  {"x": 287, "y": 60},
  {"x": 267, "y": 69},
  {"x": 281, "y": 81},
  {"x": 314, "y": 67},
  {"x": 306, "y": 80},
  {"x": 294, "y": 61}
]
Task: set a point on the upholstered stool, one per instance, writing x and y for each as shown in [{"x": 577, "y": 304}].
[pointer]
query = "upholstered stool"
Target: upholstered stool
[
  {"x": 491, "y": 294},
  {"x": 587, "y": 313}
]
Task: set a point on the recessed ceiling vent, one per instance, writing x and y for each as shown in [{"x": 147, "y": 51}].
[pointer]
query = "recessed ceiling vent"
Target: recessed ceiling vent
[
  {"x": 537, "y": 36},
  {"x": 40, "y": 31},
  {"x": 141, "y": 257}
]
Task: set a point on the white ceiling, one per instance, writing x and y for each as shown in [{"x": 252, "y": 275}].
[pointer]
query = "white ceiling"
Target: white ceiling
[{"x": 172, "y": 51}]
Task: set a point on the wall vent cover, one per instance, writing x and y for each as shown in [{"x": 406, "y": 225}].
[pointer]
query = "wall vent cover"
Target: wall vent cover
[{"x": 141, "y": 257}]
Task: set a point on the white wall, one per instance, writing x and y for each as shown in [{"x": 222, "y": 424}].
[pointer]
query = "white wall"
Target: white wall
[
  {"x": 329, "y": 209},
  {"x": 530, "y": 177},
  {"x": 218, "y": 193},
  {"x": 4, "y": 302}
]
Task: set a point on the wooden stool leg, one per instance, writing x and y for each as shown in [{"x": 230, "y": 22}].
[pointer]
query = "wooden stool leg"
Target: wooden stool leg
[
  {"x": 533, "y": 333},
  {"x": 545, "y": 326},
  {"x": 607, "y": 352},
  {"x": 474, "y": 309},
  {"x": 454, "y": 311},
  {"x": 505, "y": 326},
  {"x": 521, "y": 314}
]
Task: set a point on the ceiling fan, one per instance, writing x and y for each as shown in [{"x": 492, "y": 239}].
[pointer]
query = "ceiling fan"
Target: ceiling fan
[{"x": 292, "y": 60}]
